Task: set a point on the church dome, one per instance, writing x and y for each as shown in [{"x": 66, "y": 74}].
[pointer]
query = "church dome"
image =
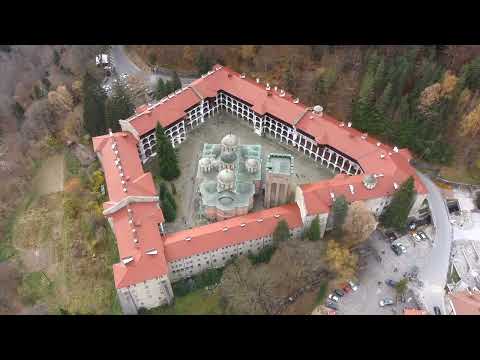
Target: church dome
[
  {"x": 369, "y": 181},
  {"x": 228, "y": 157},
  {"x": 204, "y": 161},
  {"x": 226, "y": 176},
  {"x": 230, "y": 140},
  {"x": 251, "y": 165}
]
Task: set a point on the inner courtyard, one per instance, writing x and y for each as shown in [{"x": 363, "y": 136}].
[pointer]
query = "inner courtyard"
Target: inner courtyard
[{"x": 212, "y": 131}]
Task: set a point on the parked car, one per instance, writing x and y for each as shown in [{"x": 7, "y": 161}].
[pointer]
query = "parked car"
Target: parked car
[
  {"x": 437, "y": 311},
  {"x": 353, "y": 285},
  {"x": 402, "y": 248},
  {"x": 391, "y": 283},
  {"x": 339, "y": 292},
  {"x": 416, "y": 236},
  {"x": 396, "y": 249},
  {"x": 385, "y": 302},
  {"x": 422, "y": 235},
  {"x": 333, "y": 297},
  {"x": 331, "y": 305}
]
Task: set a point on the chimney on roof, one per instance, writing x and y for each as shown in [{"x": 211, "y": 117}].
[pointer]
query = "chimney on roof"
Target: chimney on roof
[
  {"x": 364, "y": 136},
  {"x": 317, "y": 109},
  {"x": 188, "y": 238},
  {"x": 225, "y": 229},
  {"x": 268, "y": 86},
  {"x": 152, "y": 252},
  {"x": 275, "y": 88},
  {"x": 349, "y": 124},
  {"x": 259, "y": 220},
  {"x": 127, "y": 259},
  {"x": 258, "y": 80},
  {"x": 395, "y": 149},
  {"x": 269, "y": 93},
  {"x": 395, "y": 185},
  {"x": 382, "y": 156},
  {"x": 229, "y": 75},
  {"x": 389, "y": 153},
  {"x": 242, "y": 225},
  {"x": 352, "y": 190},
  {"x": 242, "y": 76},
  {"x": 332, "y": 195},
  {"x": 379, "y": 143},
  {"x": 135, "y": 240},
  {"x": 342, "y": 124},
  {"x": 296, "y": 101},
  {"x": 110, "y": 132},
  {"x": 282, "y": 93}
]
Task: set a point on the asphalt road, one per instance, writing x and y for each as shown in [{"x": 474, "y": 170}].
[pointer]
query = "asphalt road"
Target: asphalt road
[
  {"x": 123, "y": 64},
  {"x": 434, "y": 273}
]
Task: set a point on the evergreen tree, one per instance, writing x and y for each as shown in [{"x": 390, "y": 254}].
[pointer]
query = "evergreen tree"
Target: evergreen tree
[
  {"x": 93, "y": 105},
  {"x": 18, "y": 111},
  {"x": 471, "y": 75},
  {"x": 176, "y": 83},
  {"x": 339, "y": 211},
  {"x": 161, "y": 89},
  {"x": 168, "y": 210},
  {"x": 379, "y": 76},
  {"x": 385, "y": 99},
  {"x": 314, "y": 230},
  {"x": 396, "y": 214},
  {"x": 281, "y": 232},
  {"x": 118, "y": 107},
  {"x": 167, "y": 160},
  {"x": 203, "y": 62}
]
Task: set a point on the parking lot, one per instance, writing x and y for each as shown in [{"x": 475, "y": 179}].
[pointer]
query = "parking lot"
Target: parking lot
[{"x": 380, "y": 264}]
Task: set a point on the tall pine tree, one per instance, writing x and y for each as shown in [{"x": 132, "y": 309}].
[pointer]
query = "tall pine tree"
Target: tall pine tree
[
  {"x": 160, "y": 89},
  {"x": 167, "y": 160},
  {"x": 176, "y": 83},
  {"x": 93, "y": 105},
  {"x": 396, "y": 214},
  {"x": 118, "y": 107}
]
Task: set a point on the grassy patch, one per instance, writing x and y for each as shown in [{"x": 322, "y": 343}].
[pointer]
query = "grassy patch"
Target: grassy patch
[
  {"x": 199, "y": 302},
  {"x": 72, "y": 165},
  {"x": 34, "y": 287},
  {"x": 460, "y": 174}
]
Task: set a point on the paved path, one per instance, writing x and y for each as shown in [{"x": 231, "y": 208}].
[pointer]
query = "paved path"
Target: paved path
[
  {"x": 434, "y": 273},
  {"x": 123, "y": 64}
]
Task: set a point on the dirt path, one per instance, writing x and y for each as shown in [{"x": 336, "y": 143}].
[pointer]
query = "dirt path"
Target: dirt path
[{"x": 50, "y": 177}]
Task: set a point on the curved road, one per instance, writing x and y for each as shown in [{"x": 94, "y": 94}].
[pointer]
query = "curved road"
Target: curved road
[
  {"x": 123, "y": 64},
  {"x": 434, "y": 273}
]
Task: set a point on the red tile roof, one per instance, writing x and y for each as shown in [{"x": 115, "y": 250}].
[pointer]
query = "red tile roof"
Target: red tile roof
[
  {"x": 146, "y": 218},
  {"x": 137, "y": 182},
  {"x": 326, "y": 130},
  {"x": 211, "y": 237},
  {"x": 414, "y": 312},
  {"x": 466, "y": 303}
]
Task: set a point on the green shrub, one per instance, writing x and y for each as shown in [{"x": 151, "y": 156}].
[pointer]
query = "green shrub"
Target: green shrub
[{"x": 263, "y": 256}]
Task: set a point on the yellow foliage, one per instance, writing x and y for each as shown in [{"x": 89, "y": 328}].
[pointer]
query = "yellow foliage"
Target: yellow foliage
[
  {"x": 341, "y": 260},
  {"x": 470, "y": 124},
  {"x": 449, "y": 82},
  {"x": 60, "y": 100},
  {"x": 248, "y": 52},
  {"x": 97, "y": 180}
]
